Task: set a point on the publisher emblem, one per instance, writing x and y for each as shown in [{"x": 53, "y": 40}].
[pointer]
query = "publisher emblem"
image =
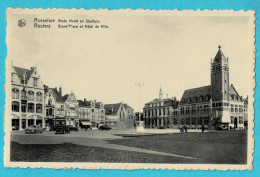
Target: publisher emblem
[{"x": 21, "y": 23}]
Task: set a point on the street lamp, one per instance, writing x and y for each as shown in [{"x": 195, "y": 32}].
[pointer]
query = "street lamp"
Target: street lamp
[{"x": 139, "y": 85}]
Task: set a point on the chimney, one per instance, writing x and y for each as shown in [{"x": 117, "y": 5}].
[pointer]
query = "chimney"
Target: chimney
[
  {"x": 85, "y": 100},
  {"x": 60, "y": 91}
]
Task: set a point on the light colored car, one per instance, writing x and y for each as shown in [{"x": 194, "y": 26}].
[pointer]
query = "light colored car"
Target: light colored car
[{"x": 34, "y": 129}]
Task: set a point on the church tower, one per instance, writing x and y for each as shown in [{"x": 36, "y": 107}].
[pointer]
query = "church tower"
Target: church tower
[{"x": 220, "y": 84}]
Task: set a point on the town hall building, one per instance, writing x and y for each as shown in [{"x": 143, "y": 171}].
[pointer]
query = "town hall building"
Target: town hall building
[{"x": 216, "y": 104}]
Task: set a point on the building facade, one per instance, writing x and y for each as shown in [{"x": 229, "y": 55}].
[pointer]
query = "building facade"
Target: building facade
[
  {"x": 27, "y": 98},
  {"x": 54, "y": 105},
  {"x": 119, "y": 115},
  {"x": 160, "y": 112},
  {"x": 91, "y": 113}
]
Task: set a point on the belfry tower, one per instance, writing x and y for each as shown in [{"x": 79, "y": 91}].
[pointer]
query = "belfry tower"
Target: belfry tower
[{"x": 220, "y": 86}]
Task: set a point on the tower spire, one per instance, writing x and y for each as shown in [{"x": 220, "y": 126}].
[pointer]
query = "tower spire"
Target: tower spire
[{"x": 160, "y": 93}]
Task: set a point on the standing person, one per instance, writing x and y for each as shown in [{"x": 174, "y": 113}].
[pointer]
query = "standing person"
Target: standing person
[
  {"x": 202, "y": 128},
  {"x": 185, "y": 128}
]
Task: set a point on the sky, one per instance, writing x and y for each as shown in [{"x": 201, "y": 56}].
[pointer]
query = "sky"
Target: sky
[{"x": 168, "y": 51}]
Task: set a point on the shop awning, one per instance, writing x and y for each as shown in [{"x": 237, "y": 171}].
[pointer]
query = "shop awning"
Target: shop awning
[{"x": 85, "y": 122}]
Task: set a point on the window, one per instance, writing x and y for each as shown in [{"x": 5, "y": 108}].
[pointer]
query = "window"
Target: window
[
  {"x": 206, "y": 120},
  {"x": 62, "y": 107},
  {"x": 30, "y": 95},
  {"x": 206, "y": 108},
  {"x": 49, "y": 102},
  {"x": 38, "y": 108},
  {"x": 168, "y": 111},
  {"x": 15, "y": 106},
  {"x": 175, "y": 121},
  {"x": 193, "y": 120},
  {"x": 232, "y": 120},
  {"x": 182, "y": 121},
  {"x": 187, "y": 110},
  {"x": 15, "y": 94},
  {"x": 23, "y": 106},
  {"x": 236, "y": 108},
  {"x": 187, "y": 121},
  {"x": 240, "y": 108},
  {"x": 31, "y": 107},
  {"x": 241, "y": 120},
  {"x": 23, "y": 95},
  {"x": 232, "y": 108},
  {"x": 163, "y": 111},
  {"x": 200, "y": 120},
  {"x": 38, "y": 96},
  {"x": 160, "y": 112},
  {"x": 35, "y": 82}
]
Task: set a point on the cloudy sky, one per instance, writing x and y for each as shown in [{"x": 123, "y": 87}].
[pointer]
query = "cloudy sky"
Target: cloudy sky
[{"x": 105, "y": 64}]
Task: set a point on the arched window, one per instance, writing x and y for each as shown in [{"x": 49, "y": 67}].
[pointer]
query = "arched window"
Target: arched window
[
  {"x": 15, "y": 106},
  {"x": 38, "y": 108},
  {"x": 49, "y": 102},
  {"x": 30, "y": 95},
  {"x": 15, "y": 93},
  {"x": 38, "y": 96},
  {"x": 23, "y": 95},
  {"x": 31, "y": 107}
]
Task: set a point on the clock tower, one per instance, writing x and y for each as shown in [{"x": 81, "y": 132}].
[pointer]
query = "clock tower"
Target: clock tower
[{"x": 220, "y": 87}]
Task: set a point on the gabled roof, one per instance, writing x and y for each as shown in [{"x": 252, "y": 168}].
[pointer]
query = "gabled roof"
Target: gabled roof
[
  {"x": 55, "y": 93},
  {"x": 111, "y": 109},
  {"x": 233, "y": 94},
  {"x": 196, "y": 92},
  {"x": 20, "y": 72},
  {"x": 128, "y": 107},
  {"x": 97, "y": 105},
  {"x": 81, "y": 103},
  {"x": 65, "y": 97}
]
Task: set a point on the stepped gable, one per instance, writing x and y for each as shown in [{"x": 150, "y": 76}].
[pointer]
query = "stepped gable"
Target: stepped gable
[{"x": 20, "y": 72}]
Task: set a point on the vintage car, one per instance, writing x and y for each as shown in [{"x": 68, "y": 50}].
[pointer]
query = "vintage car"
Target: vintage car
[
  {"x": 34, "y": 129},
  {"x": 70, "y": 127},
  {"x": 104, "y": 127},
  {"x": 62, "y": 129}
]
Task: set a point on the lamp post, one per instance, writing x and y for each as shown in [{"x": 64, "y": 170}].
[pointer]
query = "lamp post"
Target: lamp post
[{"x": 139, "y": 85}]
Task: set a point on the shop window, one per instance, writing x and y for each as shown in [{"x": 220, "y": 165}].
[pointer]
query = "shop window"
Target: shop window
[
  {"x": 241, "y": 120},
  {"x": 182, "y": 121},
  {"x": 15, "y": 106},
  {"x": 175, "y": 121},
  {"x": 206, "y": 120},
  {"x": 31, "y": 107},
  {"x": 187, "y": 121},
  {"x": 15, "y": 93}
]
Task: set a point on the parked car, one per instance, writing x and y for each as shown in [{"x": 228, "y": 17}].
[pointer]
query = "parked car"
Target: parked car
[
  {"x": 70, "y": 127},
  {"x": 86, "y": 127},
  {"x": 161, "y": 127},
  {"x": 34, "y": 129},
  {"x": 62, "y": 130},
  {"x": 104, "y": 127},
  {"x": 222, "y": 127},
  {"x": 15, "y": 128}
]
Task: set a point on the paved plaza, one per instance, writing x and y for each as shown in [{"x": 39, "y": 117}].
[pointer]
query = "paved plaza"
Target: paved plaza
[{"x": 129, "y": 146}]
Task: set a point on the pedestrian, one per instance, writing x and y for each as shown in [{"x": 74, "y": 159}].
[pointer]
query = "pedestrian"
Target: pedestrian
[
  {"x": 202, "y": 128},
  {"x": 185, "y": 128}
]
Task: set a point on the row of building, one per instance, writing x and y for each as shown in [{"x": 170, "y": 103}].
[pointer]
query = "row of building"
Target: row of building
[
  {"x": 216, "y": 104},
  {"x": 34, "y": 103}
]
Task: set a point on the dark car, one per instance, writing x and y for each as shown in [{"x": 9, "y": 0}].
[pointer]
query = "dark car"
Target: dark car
[
  {"x": 222, "y": 127},
  {"x": 161, "y": 127},
  {"x": 62, "y": 130},
  {"x": 104, "y": 127},
  {"x": 70, "y": 127}
]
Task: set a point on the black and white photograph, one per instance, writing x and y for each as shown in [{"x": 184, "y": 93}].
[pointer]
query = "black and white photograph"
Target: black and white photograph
[{"x": 129, "y": 89}]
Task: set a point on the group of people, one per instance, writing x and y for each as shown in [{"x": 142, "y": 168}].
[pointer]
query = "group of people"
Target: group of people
[{"x": 185, "y": 129}]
